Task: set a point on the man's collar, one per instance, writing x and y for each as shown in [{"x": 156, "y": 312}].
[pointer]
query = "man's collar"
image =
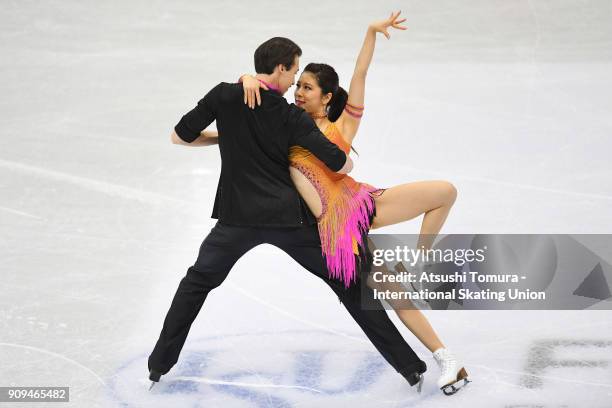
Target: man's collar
[{"x": 271, "y": 87}]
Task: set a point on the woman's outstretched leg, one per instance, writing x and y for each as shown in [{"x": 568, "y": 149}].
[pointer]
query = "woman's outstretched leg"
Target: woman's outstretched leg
[
  {"x": 405, "y": 202},
  {"x": 401, "y": 203}
]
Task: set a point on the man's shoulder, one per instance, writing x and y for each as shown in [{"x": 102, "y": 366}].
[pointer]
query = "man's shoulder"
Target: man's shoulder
[
  {"x": 299, "y": 115},
  {"x": 236, "y": 90},
  {"x": 273, "y": 97},
  {"x": 292, "y": 111},
  {"x": 227, "y": 89},
  {"x": 231, "y": 85}
]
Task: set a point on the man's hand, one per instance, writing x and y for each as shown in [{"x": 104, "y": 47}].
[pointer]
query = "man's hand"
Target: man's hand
[{"x": 175, "y": 139}]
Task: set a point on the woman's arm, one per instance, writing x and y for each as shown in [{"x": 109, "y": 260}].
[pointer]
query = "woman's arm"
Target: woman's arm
[
  {"x": 206, "y": 138},
  {"x": 251, "y": 87},
  {"x": 347, "y": 122}
]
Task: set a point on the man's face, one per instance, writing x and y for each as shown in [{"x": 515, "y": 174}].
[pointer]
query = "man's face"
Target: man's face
[{"x": 287, "y": 76}]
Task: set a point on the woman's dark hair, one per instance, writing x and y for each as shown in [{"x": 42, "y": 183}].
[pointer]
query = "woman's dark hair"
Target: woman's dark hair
[
  {"x": 327, "y": 79},
  {"x": 277, "y": 50}
]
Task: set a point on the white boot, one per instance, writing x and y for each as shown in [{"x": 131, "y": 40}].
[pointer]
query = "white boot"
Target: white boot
[{"x": 453, "y": 376}]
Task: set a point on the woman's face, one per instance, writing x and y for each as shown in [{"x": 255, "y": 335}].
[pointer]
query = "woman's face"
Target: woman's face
[{"x": 308, "y": 94}]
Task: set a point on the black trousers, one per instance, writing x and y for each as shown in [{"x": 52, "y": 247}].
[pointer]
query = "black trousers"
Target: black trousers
[{"x": 223, "y": 246}]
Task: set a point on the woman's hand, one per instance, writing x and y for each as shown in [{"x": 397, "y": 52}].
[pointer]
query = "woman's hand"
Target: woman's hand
[
  {"x": 393, "y": 22},
  {"x": 251, "y": 87}
]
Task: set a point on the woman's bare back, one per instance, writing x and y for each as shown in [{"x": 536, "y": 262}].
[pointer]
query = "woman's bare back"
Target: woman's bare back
[{"x": 307, "y": 191}]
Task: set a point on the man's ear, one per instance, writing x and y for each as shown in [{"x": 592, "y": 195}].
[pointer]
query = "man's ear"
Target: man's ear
[{"x": 278, "y": 69}]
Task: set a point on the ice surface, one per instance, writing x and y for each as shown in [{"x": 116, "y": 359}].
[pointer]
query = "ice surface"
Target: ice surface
[{"x": 101, "y": 215}]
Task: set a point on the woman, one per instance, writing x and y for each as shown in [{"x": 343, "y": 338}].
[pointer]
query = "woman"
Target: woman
[{"x": 346, "y": 209}]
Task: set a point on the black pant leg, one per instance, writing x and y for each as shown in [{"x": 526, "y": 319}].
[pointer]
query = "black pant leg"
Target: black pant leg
[
  {"x": 303, "y": 245},
  {"x": 218, "y": 253}
]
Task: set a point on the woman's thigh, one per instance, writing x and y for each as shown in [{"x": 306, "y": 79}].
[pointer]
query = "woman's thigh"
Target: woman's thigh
[{"x": 407, "y": 201}]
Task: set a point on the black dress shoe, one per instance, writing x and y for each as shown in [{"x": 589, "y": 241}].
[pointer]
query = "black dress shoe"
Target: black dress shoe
[{"x": 154, "y": 375}]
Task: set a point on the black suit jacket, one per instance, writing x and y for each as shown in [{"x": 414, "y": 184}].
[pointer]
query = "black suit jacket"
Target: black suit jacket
[{"x": 255, "y": 188}]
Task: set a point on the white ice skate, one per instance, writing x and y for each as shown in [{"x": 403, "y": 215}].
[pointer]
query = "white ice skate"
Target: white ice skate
[{"x": 453, "y": 377}]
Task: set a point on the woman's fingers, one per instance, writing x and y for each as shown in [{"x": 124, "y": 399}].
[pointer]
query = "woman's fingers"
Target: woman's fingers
[
  {"x": 252, "y": 94},
  {"x": 396, "y": 23},
  {"x": 392, "y": 20}
]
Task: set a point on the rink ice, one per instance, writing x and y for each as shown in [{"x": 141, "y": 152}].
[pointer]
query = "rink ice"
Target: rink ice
[{"x": 101, "y": 215}]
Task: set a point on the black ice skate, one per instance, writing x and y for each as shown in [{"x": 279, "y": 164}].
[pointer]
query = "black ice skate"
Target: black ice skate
[
  {"x": 416, "y": 379},
  {"x": 154, "y": 376}
]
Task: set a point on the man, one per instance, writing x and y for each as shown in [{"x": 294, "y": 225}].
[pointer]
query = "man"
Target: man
[{"x": 256, "y": 203}]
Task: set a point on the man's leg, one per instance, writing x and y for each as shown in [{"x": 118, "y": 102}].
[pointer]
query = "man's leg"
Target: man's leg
[
  {"x": 303, "y": 245},
  {"x": 220, "y": 250}
]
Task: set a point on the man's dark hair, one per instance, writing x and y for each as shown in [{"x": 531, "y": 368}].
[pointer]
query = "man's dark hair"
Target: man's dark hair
[{"x": 277, "y": 50}]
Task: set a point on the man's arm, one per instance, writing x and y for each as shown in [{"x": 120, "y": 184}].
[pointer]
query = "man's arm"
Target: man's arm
[
  {"x": 308, "y": 135},
  {"x": 196, "y": 120},
  {"x": 326, "y": 151},
  {"x": 207, "y": 138}
]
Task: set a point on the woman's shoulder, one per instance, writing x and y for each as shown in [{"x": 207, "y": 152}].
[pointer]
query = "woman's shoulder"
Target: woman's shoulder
[
  {"x": 334, "y": 133},
  {"x": 337, "y": 128}
]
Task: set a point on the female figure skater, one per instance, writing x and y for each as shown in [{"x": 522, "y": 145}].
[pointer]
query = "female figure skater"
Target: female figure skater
[{"x": 346, "y": 209}]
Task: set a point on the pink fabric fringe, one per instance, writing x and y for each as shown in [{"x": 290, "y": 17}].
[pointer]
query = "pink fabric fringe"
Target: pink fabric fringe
[{"x": 353, "y": 222}]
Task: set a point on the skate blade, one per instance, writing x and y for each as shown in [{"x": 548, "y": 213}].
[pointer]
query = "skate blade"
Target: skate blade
[
  {"x": 462, "y": 381},
  {"x": 420, "y": 383}
]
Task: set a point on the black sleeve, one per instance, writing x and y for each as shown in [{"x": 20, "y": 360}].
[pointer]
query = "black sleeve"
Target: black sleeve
[
  {"x": 198, "y": 119},
  {"x": 308, "y": 135}
]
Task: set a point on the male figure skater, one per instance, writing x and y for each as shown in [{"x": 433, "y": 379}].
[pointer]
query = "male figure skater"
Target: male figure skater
[{"x": 256, "y": 203}]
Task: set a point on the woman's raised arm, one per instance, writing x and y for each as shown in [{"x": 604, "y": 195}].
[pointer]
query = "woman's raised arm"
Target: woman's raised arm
[{"x": 350, "y": 118}]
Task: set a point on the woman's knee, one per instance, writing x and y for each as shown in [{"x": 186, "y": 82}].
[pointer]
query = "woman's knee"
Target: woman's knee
[{"x": 449, "y": 192}]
